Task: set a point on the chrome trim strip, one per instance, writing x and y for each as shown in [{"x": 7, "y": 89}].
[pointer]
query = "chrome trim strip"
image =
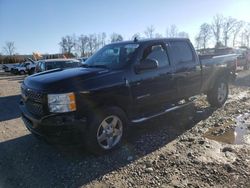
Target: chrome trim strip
[
  {"x": 158, "y": 114},
  {"x": 143, "y": 96}
]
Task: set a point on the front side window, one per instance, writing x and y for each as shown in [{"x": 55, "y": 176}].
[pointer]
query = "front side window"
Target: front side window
[
  {"x": 113, "y": 56},
  {"x": 156, "y": 52}
]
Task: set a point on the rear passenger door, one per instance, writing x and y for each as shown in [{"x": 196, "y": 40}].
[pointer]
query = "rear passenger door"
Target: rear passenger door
[{"x": 187, "y": 70}]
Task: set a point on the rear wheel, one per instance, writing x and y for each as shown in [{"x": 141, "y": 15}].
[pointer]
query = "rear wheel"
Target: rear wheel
[
  {"x": 106, "y": 130},
  {"x": 217, "y": 96},
  {"x": 246, "y": 66}
]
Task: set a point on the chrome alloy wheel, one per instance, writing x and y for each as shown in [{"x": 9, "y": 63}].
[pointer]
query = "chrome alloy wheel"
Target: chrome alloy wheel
[
  {"x": 110, "y": 132},
  {"x": 222, "y": 92}
]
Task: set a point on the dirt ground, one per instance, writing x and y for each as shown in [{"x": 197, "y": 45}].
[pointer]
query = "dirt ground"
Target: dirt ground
[{"x": 197, "y": 146}]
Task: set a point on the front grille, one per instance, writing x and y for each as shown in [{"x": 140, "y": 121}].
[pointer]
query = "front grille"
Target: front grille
[
  {"x": 32, "y": 94},
  {"x": 34, "y": 108},
  {"x": 33, "y": 100}
]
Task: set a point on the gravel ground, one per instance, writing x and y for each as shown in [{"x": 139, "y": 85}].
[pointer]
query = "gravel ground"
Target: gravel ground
[{"x": 197, "y": 146}]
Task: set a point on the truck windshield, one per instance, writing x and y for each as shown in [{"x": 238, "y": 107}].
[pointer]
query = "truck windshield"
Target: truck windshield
[
  {"x": 62, "y": 64},
  {"x": 113, "y": 56}
]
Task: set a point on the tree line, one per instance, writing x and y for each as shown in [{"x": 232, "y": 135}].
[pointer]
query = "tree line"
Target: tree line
[
  {"x": 221, "y": 32},
  {"x": 86, "y": 45}
]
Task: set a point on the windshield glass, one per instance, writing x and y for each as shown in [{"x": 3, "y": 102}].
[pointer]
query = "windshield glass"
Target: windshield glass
[
  {"x": 113, "y": 56},
  {"x": 62, "y": 64}
]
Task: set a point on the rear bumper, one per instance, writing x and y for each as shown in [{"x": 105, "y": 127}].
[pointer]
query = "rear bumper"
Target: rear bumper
[{"x": 57, "y": 128}]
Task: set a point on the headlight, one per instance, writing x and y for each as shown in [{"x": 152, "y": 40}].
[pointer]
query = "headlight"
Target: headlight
[{"x": 61, "y": 102}]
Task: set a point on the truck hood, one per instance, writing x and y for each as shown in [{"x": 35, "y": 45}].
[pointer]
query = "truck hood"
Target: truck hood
[{"x": 63, "y": 80}]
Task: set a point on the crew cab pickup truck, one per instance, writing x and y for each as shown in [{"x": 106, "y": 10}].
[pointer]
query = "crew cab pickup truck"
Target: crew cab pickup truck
[{"x": 123, "y": 84}]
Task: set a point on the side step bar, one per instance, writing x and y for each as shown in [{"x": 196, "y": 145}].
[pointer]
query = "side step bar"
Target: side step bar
[{"x": 140, "y": 120}]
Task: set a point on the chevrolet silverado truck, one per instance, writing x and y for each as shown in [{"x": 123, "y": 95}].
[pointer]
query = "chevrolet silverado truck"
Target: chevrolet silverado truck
[{"x": 121, "y": 85}]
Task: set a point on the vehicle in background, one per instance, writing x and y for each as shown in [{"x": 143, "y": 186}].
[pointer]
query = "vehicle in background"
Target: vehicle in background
[
  {"x": 22, "y": 68},
  {"x": 48, "y": 64},
  {"x": 31, "y": 67},
  {"x": 8, "y": 67},
  {"x": 123, "y": 84},
  {"x": 82, "y": 59},
  {"x": 243, "y": 58}
]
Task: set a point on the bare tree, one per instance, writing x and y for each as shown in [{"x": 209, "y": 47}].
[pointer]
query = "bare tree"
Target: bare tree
[
  {"x": 83, "y": 44},
  {"x": 103, "y": 39},
  {"x": 217, "y": 26},
  {"x": 204, "y": 34},
  {"x": 115, "y": 37},
  {"x": 236, "y": 30},
  {"x": 136, "y": 35},
  {"x": 158, "y": 35},
  {"x": 198, "y": 41},
  {"x": 149, "y": 32},
  {"x": 92, "y": 43},
  {"x": 172, "y": 31},
  {"x": 228, "y": 26},
  {"x": 246, "y": 35},
  {"x": 9, "y": 48},
  {"x": 68, "y": 43},
  {"x": 183, "y": 34}
]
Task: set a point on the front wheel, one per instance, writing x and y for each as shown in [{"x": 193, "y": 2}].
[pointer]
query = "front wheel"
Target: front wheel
[
  {"x": 106, "y": 130},
  {"x": 217, "y": 96}
]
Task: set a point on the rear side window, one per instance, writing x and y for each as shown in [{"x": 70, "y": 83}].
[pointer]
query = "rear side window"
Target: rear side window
[
  {"x": 181, "y": 52},
  {"x": 156, "y": 52}
]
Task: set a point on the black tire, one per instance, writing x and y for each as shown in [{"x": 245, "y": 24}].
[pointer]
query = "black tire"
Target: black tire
[
  {"x": 95, "y": 126},
  {"x": 215, "y": 96}
]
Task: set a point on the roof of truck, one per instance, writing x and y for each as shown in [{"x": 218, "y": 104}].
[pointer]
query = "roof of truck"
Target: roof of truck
[
  {"x": 142, "y": 41},
  {"x": 58, "y": 60}
]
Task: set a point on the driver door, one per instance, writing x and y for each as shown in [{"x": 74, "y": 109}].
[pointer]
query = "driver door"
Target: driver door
[{"x": 153, "y": 88}]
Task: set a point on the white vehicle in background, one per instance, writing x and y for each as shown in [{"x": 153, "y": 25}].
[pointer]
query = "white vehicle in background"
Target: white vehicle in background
[
  {"x": 24, "y": 68},
  {"x": 8, "y": 67},
  {"x": 31, "y": 67},
  {"x": 82, "y": 59},
  {"x": 243, "y": 59}
]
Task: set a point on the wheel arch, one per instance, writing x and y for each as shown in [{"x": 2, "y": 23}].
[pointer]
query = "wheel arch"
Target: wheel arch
[{"x": 221, "y": 74}]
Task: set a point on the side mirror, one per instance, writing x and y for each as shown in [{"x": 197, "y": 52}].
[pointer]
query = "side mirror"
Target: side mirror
[{"x": 147, "y": 64}]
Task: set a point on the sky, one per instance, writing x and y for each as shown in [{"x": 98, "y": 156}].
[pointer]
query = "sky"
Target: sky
[{"x": 39, "y": 25}]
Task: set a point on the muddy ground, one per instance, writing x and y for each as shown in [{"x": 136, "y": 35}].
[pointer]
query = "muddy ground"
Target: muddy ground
[{"x": 197, "y": 146}]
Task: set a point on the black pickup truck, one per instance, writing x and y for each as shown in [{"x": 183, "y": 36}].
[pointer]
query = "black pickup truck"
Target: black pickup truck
[{"x": 123, "y": 84}]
